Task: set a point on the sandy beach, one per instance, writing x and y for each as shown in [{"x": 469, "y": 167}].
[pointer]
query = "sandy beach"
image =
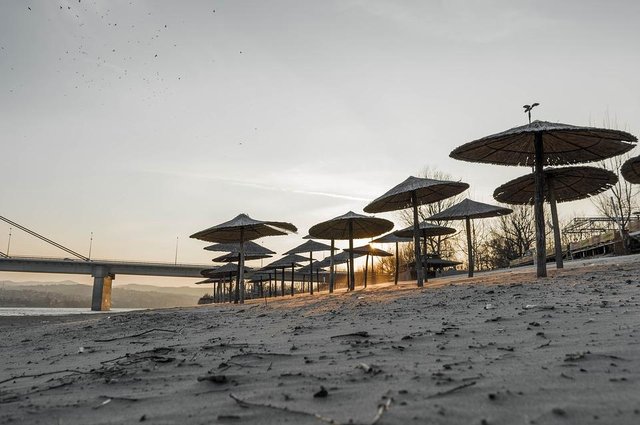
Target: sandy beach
[{"x": 500, "y": 348}]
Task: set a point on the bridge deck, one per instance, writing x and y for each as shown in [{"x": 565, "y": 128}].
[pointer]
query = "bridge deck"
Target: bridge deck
[{"x": 73, "y": 266}]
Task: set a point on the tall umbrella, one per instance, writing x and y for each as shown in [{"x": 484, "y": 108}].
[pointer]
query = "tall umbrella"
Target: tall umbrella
[
  {"x": 241, "y": 229},
  {"x": 369, "y": 251},
  {"x": 425, "y": 230},
  {"x": 560, "y": 185},
  {"x": 543, "y": 143},
  {"x": 468, "y": 210},
  {"x": 350, "y": 226},
  {"x": 631, "y": 170},
  {"x": 291, "y": 260},
  {"x": 310, "y": 246},
  {"x": 393, "y": 238},
  {"x": 411, "y": 193}
]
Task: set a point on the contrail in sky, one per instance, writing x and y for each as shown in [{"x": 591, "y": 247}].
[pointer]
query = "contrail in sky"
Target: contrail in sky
[{"x": 264, "y": 186}]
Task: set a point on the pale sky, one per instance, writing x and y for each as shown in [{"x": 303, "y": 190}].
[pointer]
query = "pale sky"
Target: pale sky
[{"x": 143, "y": 121}]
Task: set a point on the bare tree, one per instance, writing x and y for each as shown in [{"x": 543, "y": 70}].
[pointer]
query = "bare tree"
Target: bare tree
[
  {"x": 481, "y": 234},
  {"x": 511, "y": 237}
]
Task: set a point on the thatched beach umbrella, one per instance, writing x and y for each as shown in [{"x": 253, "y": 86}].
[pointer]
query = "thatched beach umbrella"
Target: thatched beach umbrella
[
  {"x": 250, "y": 247},
  {"x": 218, "y": 282},
  {"x": 241, "y": 229},
  {"x": 350, "y": 226},
  {"x": 468, "y": 210},
  {"x": 369, "y": 251},
  {"x": 311, "y": 269},
  {"x": 310, "y": 246},
  {"x": 291, "y": 260},
  {"x": 411, "y": 193},
  {"x": 543, "y": 143},
  {"x": 393, "y": 238},
  {"x": 228, "y": 271},
  {"x": 560, "y": 185},
  {"x": 425, "y": 230},
  {"x": 631, "y": 170},
  {"x": 438, "y": 263},
  {"x": 336, "y": 260},
  {"x": 231, "y": 257}
]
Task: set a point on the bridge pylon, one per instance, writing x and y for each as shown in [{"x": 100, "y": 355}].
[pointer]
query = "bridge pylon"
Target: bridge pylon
[{"x": 102, "y": 282}]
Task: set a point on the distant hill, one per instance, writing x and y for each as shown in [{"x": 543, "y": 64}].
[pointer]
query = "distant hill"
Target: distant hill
[{"x": 73, "y": 294}]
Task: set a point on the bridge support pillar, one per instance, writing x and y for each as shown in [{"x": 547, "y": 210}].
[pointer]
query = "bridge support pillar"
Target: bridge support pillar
[{"x": 102, "y": 281}]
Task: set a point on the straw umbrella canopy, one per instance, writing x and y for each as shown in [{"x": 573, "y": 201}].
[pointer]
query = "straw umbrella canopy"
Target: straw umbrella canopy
[
  {"x": 393, "y": 238},
  {"x": 560, "y": 185},
  {"x": 250, "y": 247},
  {"x": 312, "y": 268},
  {"x": 468, "y": 210},
  {"x": 631, "y": 170},
  {"x": 231, "y": 257},
  {"x": 410, "y": 193},
  {"x": 341, "y": 258},
  {"x": 439, "y": 262},
  {"x": 350, "y": 226},
  {"x": 369, "y": 251},
  {"x": 543, "y": 143},
  {"x": 239, "y": 230},
  {"x": 229, "y": 269},
  {"x": 291, "y": 260},
  {"x": 209, "y": 280},
  {"x": 310, "y": 246}
]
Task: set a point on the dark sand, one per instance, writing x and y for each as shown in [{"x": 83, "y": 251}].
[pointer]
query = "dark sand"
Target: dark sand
[{"x": 501, "y": 348}]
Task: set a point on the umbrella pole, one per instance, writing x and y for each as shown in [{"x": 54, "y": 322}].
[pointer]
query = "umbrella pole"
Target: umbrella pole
[
  {"x": 292, "y": 273},
  {"x": 554, "y": 219},
  {"x": 352, "y": 277},
  {"x": 311, "y": 272},
  {"x": 348, "y": 276},
  {"x": 261, "y": 288},
  {"x": 237, "y": 288},
  {"x": 469, "y": 246},
  {"x": 366, "y": 269},
  {"x": 282, "y": 283},
  {"x": 416, "y": 241},
  {"x": 241, "y": 274},
  {"x": 538, "y": 209},
  {"x": 332, "y": 276},
  {"x": 231, "y": 291},
  {"x": 397, "y": 266}
]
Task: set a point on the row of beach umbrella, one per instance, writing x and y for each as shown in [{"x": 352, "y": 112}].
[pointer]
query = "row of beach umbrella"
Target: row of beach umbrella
[{"x": 539, "y": 144}]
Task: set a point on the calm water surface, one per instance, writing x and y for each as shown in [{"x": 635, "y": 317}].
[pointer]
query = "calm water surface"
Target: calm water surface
[{"x": 44, "y": 311}]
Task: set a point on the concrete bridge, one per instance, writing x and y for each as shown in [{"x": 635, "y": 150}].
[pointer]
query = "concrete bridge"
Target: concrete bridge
[{"x": 102, "y": 271}]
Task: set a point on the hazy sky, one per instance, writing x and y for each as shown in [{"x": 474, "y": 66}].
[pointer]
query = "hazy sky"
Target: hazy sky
[{"x": 143, "y": 121}]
